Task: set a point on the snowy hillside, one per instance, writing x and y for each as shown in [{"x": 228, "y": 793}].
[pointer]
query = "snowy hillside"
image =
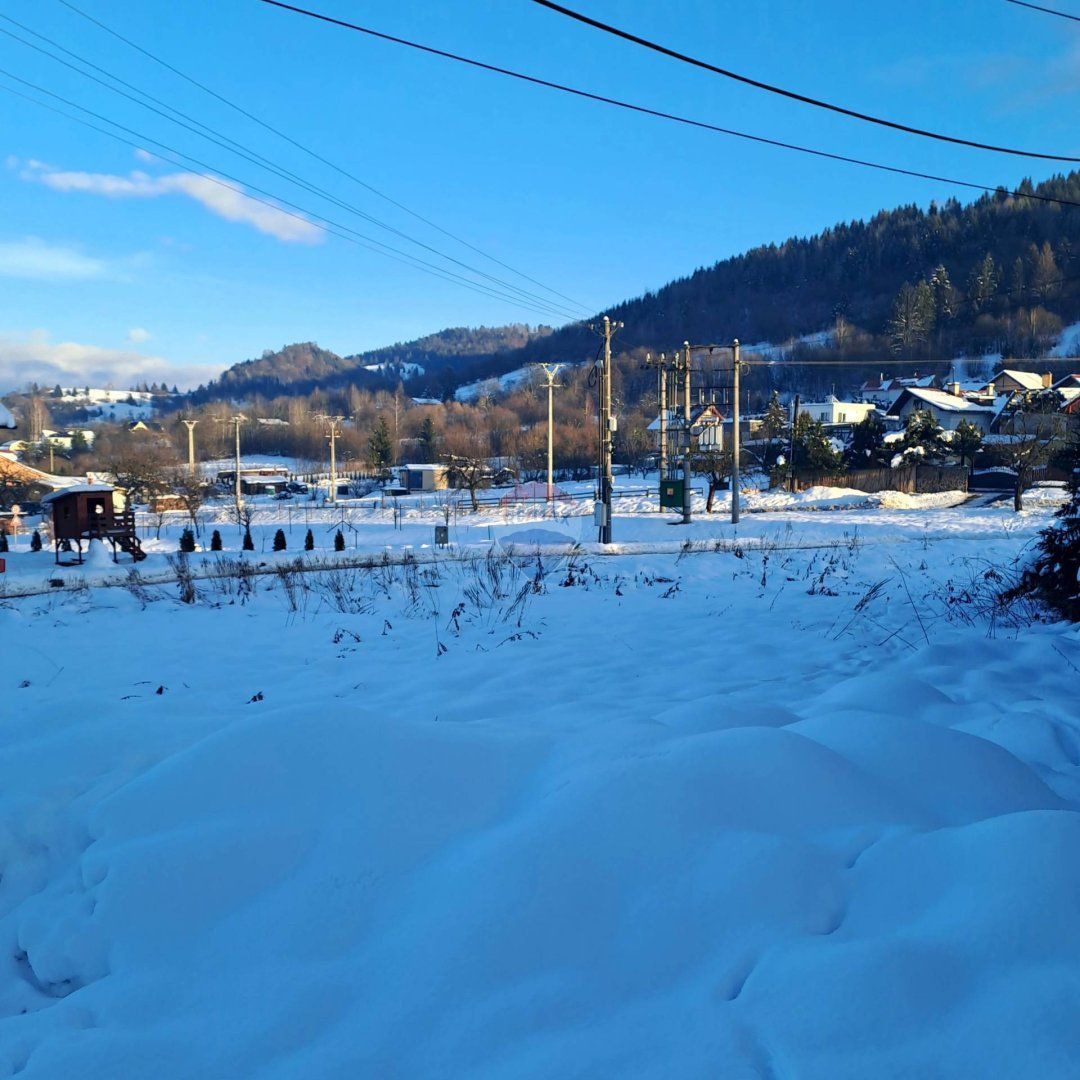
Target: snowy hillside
[
  {"x": 1069, "y": 342},
  {"x": 118, "y": 405},
  {"x": 790, "y": 808},
  {"x": 404, "y": 370}
]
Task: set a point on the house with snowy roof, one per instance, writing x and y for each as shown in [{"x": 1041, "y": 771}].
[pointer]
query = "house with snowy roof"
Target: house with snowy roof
[
  {"x": 885, "y": 389},
  {"x": 832, "y": 412},
  {"x": 947, "y": 409},
  {"x": 1012, "y": 380}
]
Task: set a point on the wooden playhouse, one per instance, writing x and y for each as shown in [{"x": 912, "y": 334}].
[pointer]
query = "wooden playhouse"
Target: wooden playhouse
[{"x": 85, "y": 512}]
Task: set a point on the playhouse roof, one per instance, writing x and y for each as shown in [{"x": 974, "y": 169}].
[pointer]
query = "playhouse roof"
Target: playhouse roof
[{"x": 77, "y": 489}]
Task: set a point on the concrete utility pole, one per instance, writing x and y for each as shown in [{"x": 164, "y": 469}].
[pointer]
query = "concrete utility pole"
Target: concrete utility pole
[
  {"x": 602, "y": 510},
  {"x": 236, "y": 421},
  {"x": 550, "y": 371},
  {"x": 333, "y": 422},
  {"x": 190, "y": 425},
  {"x": 661, "y": 366},
  {"x": 735, "y": 480}
]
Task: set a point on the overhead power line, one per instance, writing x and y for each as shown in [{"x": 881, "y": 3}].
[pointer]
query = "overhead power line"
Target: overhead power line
[
  {"x": 282, "y": 206},
  {"x": 793, "y": 95},
  {"x": 661, "y": 114},
  {"x": 194, "y": 125},
  {"x": 266, "y": 126},
  {"x": 1048, "y": 11}
]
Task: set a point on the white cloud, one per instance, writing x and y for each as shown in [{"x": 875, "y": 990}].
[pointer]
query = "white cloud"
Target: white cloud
[
  {"x": 137, "y": 335},
  {"x": 220, "y": 197},
  {"x": 38, "y": 260},
  {"x": 34, "y": 358}
]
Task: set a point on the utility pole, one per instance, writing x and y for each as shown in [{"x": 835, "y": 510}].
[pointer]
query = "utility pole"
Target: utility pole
[
  {"x": 550, "y": 371},
  {"x": 791, "y": 455},
  {"x": 686, "y": 493},
  {"x": 236, "y": 420},
  {"x": 190, "y": 425},
  {"x": 333, "y": 422},
  {"x": 735, "y": 435},
  {"x": 602, "y": 510},
  {"x": 663, "y": 417}
]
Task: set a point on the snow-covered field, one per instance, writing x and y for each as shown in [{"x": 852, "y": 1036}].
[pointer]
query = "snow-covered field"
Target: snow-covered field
[{"x": 793, "y": 808}]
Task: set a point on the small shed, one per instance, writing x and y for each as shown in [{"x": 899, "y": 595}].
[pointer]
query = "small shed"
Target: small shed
[
  {"x": 92, "y": 512},
  {"x": 423, "y": 477}
]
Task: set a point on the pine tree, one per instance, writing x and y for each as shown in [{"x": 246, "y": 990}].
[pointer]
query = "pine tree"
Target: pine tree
[
  {"x": 35, "y": 541},
  {"x": 814, "y": 453},
  {"x": 923, "y": 439},
  {"x": 309, "y": 541},
  {"x": 867, "y": 448},
  {"x": 380, "y": 451},
  {"x": 339, "y": 541},
  {"x": 966, "y": 440},
  {"x": 3, "y": 541},
  {"x": 215, "y": 541},
  {"x": 248, "y": 544},
  {"x": 187, "y": 541},
  {"x": 279, "y": 540},
  {"x": 1054, "y": 577},
  {"x": 427, "y": 438}
]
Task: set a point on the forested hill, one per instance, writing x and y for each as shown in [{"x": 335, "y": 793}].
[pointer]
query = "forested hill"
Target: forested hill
[
  {"x": 1001, "y": 274},
  {"x": 299, "y": 369},
  {"x": 998, "y": 275}
]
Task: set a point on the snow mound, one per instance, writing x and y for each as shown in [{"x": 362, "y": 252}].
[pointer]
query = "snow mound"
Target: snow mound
[
  {"x": 533, "y": 537},
  {"x": 826, "y": 836}
]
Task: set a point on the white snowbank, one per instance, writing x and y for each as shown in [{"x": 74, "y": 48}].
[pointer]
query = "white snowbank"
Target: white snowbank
[{"x": 367, "y": 839}]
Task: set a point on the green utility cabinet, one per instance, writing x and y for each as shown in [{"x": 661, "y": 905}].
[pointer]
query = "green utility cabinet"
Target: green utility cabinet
[{"x": 671, "y": 494}]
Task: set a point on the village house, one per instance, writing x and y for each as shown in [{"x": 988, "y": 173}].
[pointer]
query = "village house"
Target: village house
[
  {"x": 256, "y": 480},
  {"x": 947, "y": 409},
  {"x": 834, "y": 413},
  {"x": 884, "y": 390},
  {"x": 1011, "y": 380}
]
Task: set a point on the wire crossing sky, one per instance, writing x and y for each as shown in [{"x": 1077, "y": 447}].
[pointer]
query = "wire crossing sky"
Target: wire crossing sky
[{"x": 121, "y": 259}]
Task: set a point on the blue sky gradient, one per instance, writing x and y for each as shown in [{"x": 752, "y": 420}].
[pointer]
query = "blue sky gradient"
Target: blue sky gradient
[{"x": 116, "y": 265}]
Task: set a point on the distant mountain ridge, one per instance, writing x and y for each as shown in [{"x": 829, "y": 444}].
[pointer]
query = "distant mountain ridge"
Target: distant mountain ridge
[
  {"x": 998, "y": 275},
  {"x": 300, "y": 368}
]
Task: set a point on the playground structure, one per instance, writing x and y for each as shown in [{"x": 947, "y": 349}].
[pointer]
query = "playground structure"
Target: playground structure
[{"x": 85, "y": 512}]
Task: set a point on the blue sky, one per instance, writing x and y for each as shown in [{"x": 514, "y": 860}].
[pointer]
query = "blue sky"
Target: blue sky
[{"x": 115, "y": 264}]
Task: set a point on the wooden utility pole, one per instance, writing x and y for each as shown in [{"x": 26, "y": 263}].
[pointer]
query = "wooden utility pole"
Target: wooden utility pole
[
  {"x": 663, "y": 418},
  {"x": 605, "y": 479},
  {"x": 735, "y": 442},
  {"x": 190, "y": 425},
  {"x": 661, "y": 366},
  {"x": 686, "y": 493},
  {"x": 550, "y": 371},
  {"x": 793, "y": 485}
]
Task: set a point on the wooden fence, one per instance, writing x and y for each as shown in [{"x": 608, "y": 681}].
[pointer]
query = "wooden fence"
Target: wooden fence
[{"x": 911, "y": 479}]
